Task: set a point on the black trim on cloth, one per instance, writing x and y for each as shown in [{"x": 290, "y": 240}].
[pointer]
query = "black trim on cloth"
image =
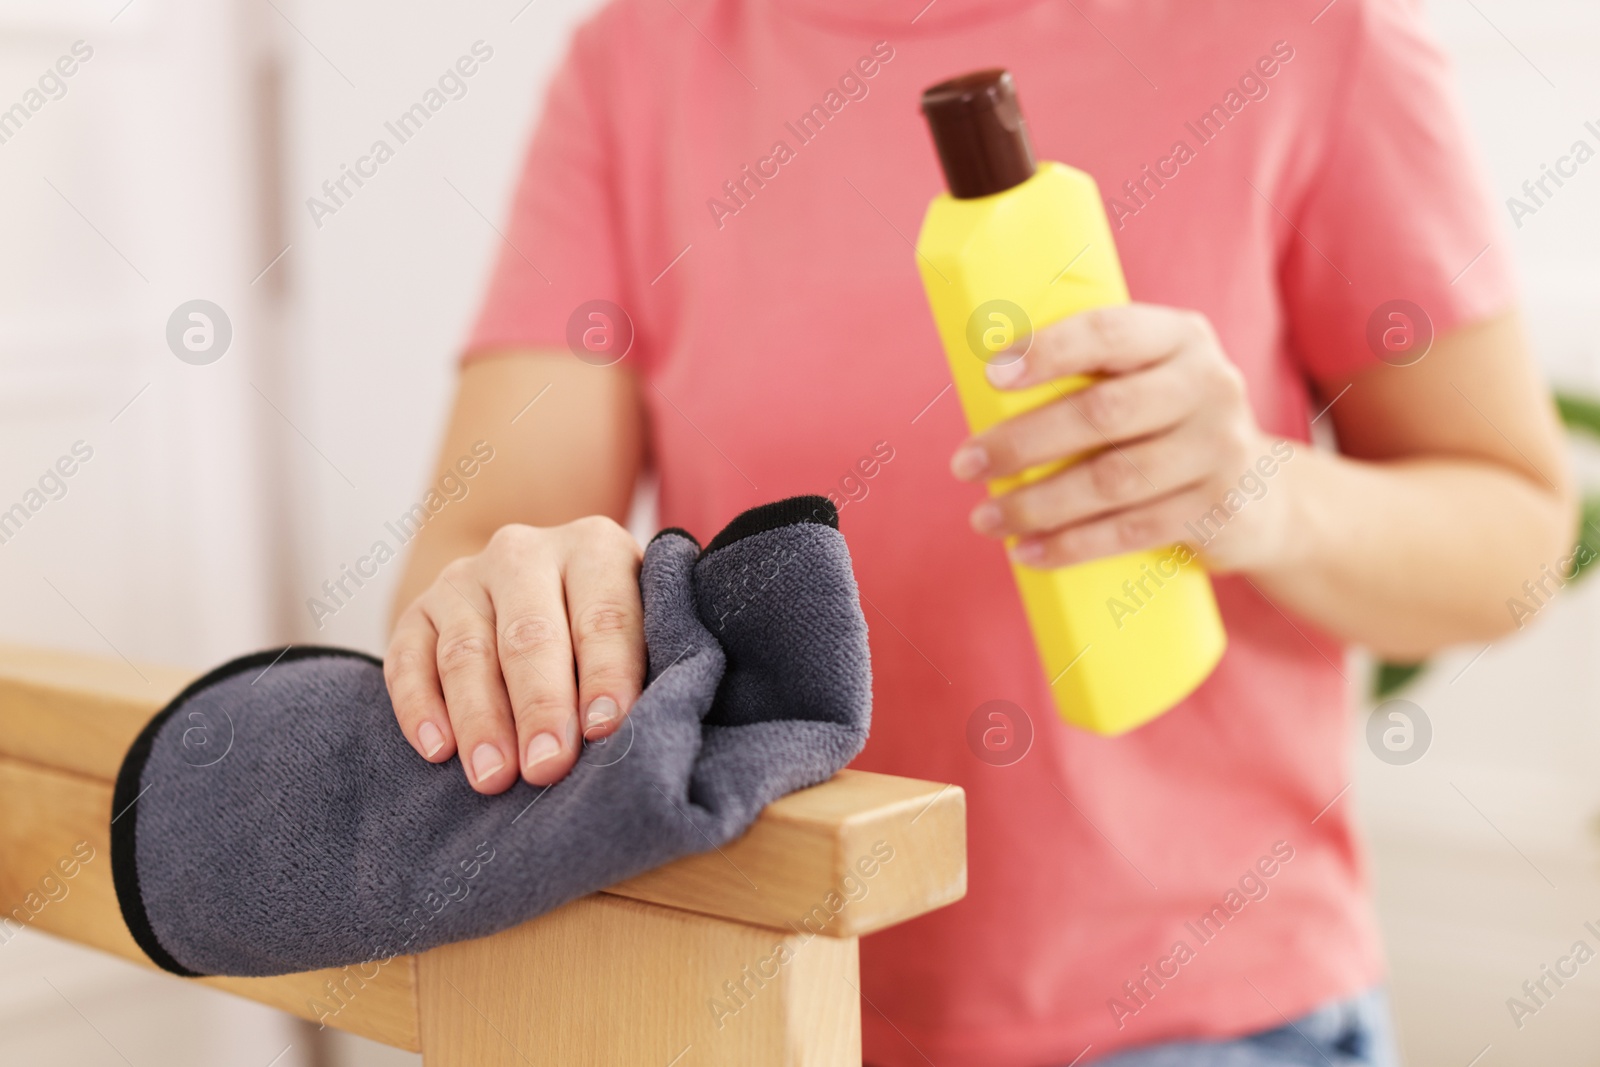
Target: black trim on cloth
[
  {"x": 790, "y": 512},
  {"x": 124, "y": 822},
  {"x": 678, "y": 530}
]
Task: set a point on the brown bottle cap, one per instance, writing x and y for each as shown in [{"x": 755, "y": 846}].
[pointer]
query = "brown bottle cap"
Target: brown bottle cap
[{"x": 979, "y": 132}]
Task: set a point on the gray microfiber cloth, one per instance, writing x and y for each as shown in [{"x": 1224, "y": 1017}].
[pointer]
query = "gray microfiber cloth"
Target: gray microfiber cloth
[{"x": 273, "y": 818}]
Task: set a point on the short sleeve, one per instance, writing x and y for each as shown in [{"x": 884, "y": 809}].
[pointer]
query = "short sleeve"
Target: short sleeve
[
  {"x": 559, "y": 257},
  {"x": 1397, "y": 210}
]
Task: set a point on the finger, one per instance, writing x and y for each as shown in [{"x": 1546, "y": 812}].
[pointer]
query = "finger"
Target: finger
[
  {"x": 1107, "y": 340},
  {"x": 607, "y": 625},
  {"x": 412, "y": 676},
  {"x": 535, "y": 651},
  {"x": 1112, "y": 411},
  {"x": 1155, "y": 524},
  {"x": 1113, "y": 480},
  {"x": 469, "y": 671}
]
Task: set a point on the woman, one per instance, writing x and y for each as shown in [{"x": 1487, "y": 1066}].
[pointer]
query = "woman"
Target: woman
[{"x": 723, "y": 194}]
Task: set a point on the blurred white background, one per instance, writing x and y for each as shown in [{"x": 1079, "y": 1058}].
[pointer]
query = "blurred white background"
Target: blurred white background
[{"x": 218, "y": 498}]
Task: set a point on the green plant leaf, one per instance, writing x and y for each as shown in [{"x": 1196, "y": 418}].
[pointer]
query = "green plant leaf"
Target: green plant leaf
[
  {"x": 1588, "y": 542},
  {"x": 1391, "y": 677},
  {"x": 1579, "y": 412}
]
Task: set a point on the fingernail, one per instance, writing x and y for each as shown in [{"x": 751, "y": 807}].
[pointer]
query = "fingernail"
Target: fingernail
[
  {"x": 486, "y": 760},
  {"x": 986, "y": 517},
  {"x": 432, "y": 739},
  {"x": 970, "y": 461},
  {"x": 1029, "y": 552},
  {"x": 541, "y": 748},
  {"x": 1005, "y": 370},
  {"x": 601, "y": 711}
]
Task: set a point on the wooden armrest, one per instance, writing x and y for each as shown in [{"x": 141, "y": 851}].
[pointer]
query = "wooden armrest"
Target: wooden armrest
[{"x": 855, "y": 854}]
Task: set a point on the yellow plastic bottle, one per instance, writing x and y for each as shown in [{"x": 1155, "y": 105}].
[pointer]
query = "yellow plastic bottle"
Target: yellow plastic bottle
[{"x": 1013, "y": 247}]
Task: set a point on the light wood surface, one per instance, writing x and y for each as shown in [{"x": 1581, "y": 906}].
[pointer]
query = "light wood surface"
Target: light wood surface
[
  {"x": 79, "y": 714},
  {"x": 45, "y": 815},
  {"x": 815, "y": 860},
  {"x": 609, "y": 981},
  {"x": 632, "y": 974}
]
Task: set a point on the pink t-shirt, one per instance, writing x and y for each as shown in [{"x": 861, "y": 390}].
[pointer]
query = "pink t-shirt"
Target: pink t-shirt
[{"x": 746, "y": 178}]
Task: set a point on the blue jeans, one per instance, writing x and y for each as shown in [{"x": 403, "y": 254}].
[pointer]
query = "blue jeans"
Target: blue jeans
[{"x": 1348, "y": 1033}]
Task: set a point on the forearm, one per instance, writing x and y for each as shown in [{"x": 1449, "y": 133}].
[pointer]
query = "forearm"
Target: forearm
[
  {"x": 1405, "y": 557},
  {"x": 567, "y": 441}
]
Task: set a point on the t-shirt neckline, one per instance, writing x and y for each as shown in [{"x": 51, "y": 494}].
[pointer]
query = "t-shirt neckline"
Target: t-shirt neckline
[{"x": 906, "y": 16}]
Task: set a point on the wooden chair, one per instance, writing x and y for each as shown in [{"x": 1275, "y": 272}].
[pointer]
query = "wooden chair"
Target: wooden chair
[{"x": 742, "y": 956}]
